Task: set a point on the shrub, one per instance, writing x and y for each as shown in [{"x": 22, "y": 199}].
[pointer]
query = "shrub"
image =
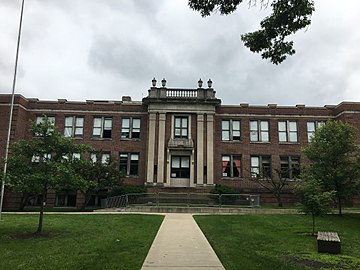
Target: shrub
[{"x": 122, "y": 190}]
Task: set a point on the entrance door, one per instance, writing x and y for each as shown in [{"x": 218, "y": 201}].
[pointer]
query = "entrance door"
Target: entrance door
[{"x": 180, "y": 171}]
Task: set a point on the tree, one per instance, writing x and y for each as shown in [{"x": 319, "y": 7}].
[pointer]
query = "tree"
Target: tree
[
  {"x": 98, "y": 175},
  {"x": 314, "y": 200},
  {"x": 44, "y": 162},
  {"x": 273, "y": 182},
  {"x": 288, "y": 17},
  {"x": 334, "y": 160}
]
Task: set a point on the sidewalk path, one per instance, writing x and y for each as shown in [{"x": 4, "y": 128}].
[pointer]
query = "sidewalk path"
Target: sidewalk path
[{"x": 180, "y": 244}]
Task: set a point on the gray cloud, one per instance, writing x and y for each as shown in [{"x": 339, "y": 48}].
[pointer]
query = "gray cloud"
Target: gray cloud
[{"x": 89, "y": 49}]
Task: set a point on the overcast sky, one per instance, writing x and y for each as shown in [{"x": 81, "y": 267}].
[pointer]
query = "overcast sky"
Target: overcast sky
[{"x": 104, "y": 49}]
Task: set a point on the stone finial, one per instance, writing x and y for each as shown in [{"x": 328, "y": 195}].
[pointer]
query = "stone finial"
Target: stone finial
[
  {"x": 200, "y": 83},
  {"x": 163, "y": 82},
  {"x": 153, "y": 82},
  {"x": 209, "y": 83}
]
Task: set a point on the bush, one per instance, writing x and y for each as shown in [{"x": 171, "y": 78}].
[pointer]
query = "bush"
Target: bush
[
  {"x": 122, "y": 190},
  {"x": 219, "y": 189}
]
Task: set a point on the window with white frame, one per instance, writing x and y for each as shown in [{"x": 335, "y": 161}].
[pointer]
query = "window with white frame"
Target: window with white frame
[
  {"x": 231, "y": 165},
  {"x": 130, "y": 128},
  {"x": 102, "y": 127},
  {"x": 230, "y": 130},
  {"x": 287, "y": 131},
  {"x": 43, "y": 158},
  {"x": 312, "y": 126},
  {"x": 180, "y": 167},
  {"x": 41, "y": 119},
  {"x": 181, "y": 127},
  {"x": 74, "y": 126},
  {"x": 290, "y": 167},
  {"x": 104, "y": 158},
  {"x": 259, "y": 131},
  {"x": 74, "y": 156},
  {"x": 260, "y": 167},
  {"x": 129, "y": 163}
]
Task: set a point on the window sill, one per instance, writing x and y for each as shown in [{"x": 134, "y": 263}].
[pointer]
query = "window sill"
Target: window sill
[
  {"x": 260, "y": 142},
  {"x": 233, "y": 141},
  {"x": 232, "y": 178},
  {"x": 101, "y": 139},
  {"x": 130, "y": 139},
  {"x": 289, "y": 143}
]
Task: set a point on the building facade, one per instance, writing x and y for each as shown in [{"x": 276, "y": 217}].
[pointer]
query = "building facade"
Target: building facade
[{"x": 181, "y": 138}]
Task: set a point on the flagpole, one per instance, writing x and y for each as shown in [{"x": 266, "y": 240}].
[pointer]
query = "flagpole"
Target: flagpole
[{"x": 11, "y": 111}]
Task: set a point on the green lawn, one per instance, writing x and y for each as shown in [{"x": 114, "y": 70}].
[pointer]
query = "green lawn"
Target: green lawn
[
  {"x": 77, "y": 241},
  {"x": 280, "y": 241}
]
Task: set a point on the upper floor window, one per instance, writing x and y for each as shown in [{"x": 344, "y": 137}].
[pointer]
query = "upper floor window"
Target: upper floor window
[
  {"x": 261, "y": 167},
  {"x": 129, "y": 163},
  {"x": 41, "y": 119},
  {"x": 181, "y": 127},
  {"x": 230, "y": 130},
  {"x": 290, "y": 167},
  {"x": 74, "y": 126},
  {"x": 102, "y": 127},
  {"x": 312, "y": 126},
  {"x": 287, "y": 131},
  {"x": 130, "y": 128},
  {"x": 231, "y": 166},
  {"x": 180, "y": 167},
  {"x": 259, "y": 131}
]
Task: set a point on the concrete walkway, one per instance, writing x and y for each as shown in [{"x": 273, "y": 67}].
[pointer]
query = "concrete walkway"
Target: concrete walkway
[{"x": 180, "y": 244}]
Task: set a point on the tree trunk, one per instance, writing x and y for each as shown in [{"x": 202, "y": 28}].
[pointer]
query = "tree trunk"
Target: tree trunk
[
  {"x": 313, "y": 223},
  {"x": 43, "y": 201},
  {"x": 279, "y": 201},
  {"x": 339, "y": 205}
]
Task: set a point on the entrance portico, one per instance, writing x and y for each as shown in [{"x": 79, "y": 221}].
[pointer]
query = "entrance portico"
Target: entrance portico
[{"x": 181, "y": 137}]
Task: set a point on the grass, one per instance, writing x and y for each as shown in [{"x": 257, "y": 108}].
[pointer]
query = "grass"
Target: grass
[
  {"x": 77, "y": 241},
  {"x": 280, "y": 241}
]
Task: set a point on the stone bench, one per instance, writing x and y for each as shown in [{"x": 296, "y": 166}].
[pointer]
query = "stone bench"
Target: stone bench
[{"x": 328, "y": 242}]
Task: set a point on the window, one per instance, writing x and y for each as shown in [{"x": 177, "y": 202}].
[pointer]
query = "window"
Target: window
[
  {"x": 312, "y": 126},
  {"x": 65, "y": 198},
  {"x": 181, "y": 127},
  {"x": 130, "y": 128},
  {"x": 261, "y": 167},
  {"x": 37, "y": 159},
  {"x": 259, "y": 131},
  {"x": 290, "y": 167},
  {"x": 74, "y": 126},
  {"x": 41, "y": 119},
  {"x": 230, "y": 130},
  {"x": 75, "y": 156},
  {"x": 129, "y": 163},
  {"x": 180, "y": 167},
  {"x": 104, "y": 158},
  {"x": 231, "y": 166},
  {"x": 102, "y": 127},
  {"x": 287, "y": 131}
]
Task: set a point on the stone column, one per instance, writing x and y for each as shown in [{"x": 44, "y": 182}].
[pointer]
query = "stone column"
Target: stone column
[
  {"x": 200, "y": 150},
  {"x": 210, "y": 149},
  {"x": 161, "y": 148},
  {"x": 151, "y": 149}
]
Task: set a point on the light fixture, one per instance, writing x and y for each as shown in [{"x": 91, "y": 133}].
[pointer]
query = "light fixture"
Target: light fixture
[
  {"x": 209, "y": 83},
  {"x": 200, "y": 83}
]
